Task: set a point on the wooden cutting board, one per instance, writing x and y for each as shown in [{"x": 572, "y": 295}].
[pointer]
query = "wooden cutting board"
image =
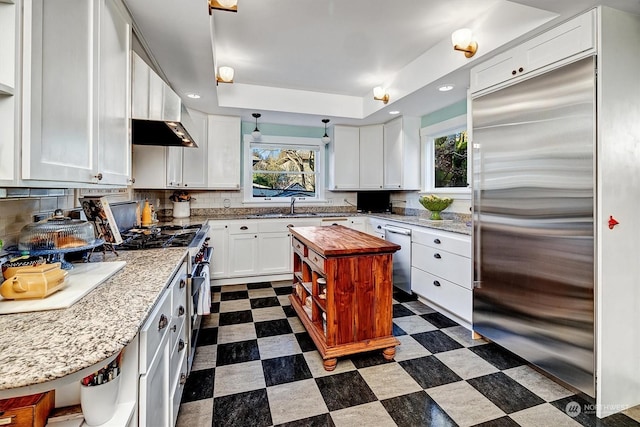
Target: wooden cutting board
[{"x": 81, "y": 280}]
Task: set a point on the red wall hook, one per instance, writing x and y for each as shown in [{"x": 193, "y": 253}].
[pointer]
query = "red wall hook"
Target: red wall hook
[{"x": 612, "y": 222}]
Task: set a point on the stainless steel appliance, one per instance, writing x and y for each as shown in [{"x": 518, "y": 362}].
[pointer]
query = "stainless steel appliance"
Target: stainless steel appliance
[
  {"x": 533, "y": 220},
  {"x": 402, "y": 258}
]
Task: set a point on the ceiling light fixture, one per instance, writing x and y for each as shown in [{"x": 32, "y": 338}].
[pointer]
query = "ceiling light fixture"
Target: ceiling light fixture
[
  {"x": 325, "y": 138},
  {"x": 256, "y": 132},
  {"x": 226, "y": 5},
  {"x": 225, "y": 75},
  {"x": 193, "y": 95},
  {"x": 446, "y": 88},
  {"x": 462, "y": 40},
  {"x": 394, "y": 112},
  {"x": 379, "y": 94}
]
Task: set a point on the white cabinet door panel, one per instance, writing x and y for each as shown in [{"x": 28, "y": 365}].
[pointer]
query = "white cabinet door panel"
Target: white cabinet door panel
[
  {"x": 371, "y": 157},
  {"x": 223, "y": 152},
  {"x": 275, "y": 253}
]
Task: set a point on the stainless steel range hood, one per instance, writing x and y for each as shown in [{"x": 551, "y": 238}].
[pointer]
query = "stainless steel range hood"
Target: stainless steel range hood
[{"x": 158, "y": 116}]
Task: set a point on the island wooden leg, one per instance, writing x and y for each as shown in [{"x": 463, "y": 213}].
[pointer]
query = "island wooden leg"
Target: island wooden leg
[
  {"x": 389, "y": 353},
  {"x": 475, "y": 335},
  {"x": 330, "y": 364}
]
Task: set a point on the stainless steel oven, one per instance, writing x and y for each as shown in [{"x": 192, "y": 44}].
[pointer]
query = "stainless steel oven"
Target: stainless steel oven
[{"x": 199, "y": 286}]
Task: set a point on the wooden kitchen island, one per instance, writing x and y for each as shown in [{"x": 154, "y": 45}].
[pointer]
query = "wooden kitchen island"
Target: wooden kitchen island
[{"x": 342, "y": 290}]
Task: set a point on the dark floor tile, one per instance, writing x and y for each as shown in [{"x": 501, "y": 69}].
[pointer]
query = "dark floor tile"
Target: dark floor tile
[
  {"x": 344, "y": 390},
  {"x": 272, "y": 327},
  {"x": 237, "y": 352},
  {"x": 436, "y": 341},
  {"x": 264, "y": 302},
  {"x": 619, "y": 420},
  {"x": 583, "y": 412},
  {"x": 285, "y": 369},
  {"x": 289, "y": 311},
  {"x": 215, "y": 289},
  {"x": 506, "y": 393},
  {"x": 370, "y": 358},
  {"x": 258, "y": 285},
  {"x": 323, "y": 420},
  {"x": 439, "y": 320},
  {"x": 416, "y": 409},
  {"x": 284, "y": 290},
  {"x": 235, "y": 317},
  {"x": 397, "y": 331},
  {"x": 401, "y": 296},
  {"x": 499, "y": 422},
  {"x": 199, "y": 385},
  {"x": 229, "y": 296},
  {"x": 400, "y": 310},
  {"x": 207, "y": 336},
  {"x": 305, "y": 342},
  {"x": 243, "y": 409},
  {"x": 429, "y": 371},
  {"x": 497, "y": 356},
  {"x": 215, "y": 307}
]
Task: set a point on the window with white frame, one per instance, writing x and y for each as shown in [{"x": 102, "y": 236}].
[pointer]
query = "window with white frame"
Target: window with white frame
[
  {"x": 280, "y": 168},
  {"x": 446, "y": 164}
]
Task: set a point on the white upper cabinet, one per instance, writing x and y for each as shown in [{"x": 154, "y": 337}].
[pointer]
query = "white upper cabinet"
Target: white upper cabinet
[
  {"x": 573, "y": 38},
  {"x": 371, "y": 157},
  {"x": 344, "y": 155},
  {"x": 194, "y": 160},
  {"x": 76, "y": 92},
  {"x": 402, "y": 154},
  {"x": 8, "y": 69},
  {"x": 223, "y": 157}
]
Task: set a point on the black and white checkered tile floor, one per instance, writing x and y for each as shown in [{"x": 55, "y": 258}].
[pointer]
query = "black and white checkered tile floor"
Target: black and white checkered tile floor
[{"x": 256, "y": 366}]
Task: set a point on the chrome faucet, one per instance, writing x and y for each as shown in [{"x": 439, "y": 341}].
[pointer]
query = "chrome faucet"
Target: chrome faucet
[{"x": 292, "y": 208}]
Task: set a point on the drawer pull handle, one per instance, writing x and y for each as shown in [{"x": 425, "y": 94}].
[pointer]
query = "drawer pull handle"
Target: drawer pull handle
[
  {"x": 436, "y": 241},
  {"x": 183, "y": 283},
  {"x": 436, "y": 283},
  {"x": 163, "y": 322},
  {"x": 437, "y": 256},
  {"x": 244, "y": 227},
  {"x": 181, "y": 345},
  {"x": 181, "y": 311},
  {"x": 7, "y": 420},
  {"x": 174, "y": 328},
  {"x": 290, "y": 225},
  {"x": 315, "y": 259}
]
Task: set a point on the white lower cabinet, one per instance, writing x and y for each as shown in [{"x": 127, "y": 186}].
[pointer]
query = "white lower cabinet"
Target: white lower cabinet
[
  {"x": 219, "y": 241},
  {"x": 243, "y": 248},
  {"x": 274, "y": 247}
]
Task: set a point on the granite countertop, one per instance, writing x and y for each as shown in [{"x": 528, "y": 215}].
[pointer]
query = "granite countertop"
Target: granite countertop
[
  {"x": 42, "y": 346},
  {"x": 457, "y": 225}
]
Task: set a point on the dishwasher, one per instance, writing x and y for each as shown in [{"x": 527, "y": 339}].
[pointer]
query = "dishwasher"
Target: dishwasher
[{"x": 402, "y": 258}]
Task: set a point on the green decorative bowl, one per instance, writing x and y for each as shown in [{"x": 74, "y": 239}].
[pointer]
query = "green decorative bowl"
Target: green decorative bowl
[{"x": 435, "y": 205}]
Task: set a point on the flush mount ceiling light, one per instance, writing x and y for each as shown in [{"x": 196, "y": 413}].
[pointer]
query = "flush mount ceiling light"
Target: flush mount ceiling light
[
  {"x": 193, "y": 95},
  {"x": 380, "y": 94},
  {"x": 394, "y": 112},
  {"x": 446, "y": 88},
  {"x": 325, "y": 138},
  {"x": 256, "y": 132},
  {"x": 462, "y": 40},
  {"x": 226, "y": 5},
  {"x": 225, "y": 75}
]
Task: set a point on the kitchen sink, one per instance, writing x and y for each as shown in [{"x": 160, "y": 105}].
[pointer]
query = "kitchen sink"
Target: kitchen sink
[{"x": 283, "y": 215}]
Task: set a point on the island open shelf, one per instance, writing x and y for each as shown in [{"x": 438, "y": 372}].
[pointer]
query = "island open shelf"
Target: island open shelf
[{"x": 355, "y": 313}]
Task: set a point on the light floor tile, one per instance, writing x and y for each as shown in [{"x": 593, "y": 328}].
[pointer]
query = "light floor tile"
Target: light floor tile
[
  {"x": 235, "y": 305},
  {"x": 234, "y": 333},
  {"x": 238, "y": 378},
  {"x": 205, "y": 357},
  {"x": 413, "y": 324},
  {"x": 233, "y": 288},
  {"x": 543, "y": 415},
  {"x": 476, "y": 408},
  {"x": 279, "y": 345},
  {"x": 466, "y": 363},
  {"x": 369, "y": 414},
  {"x": 284, "y": 300},
  {"x": 211, "y": 321},
  {"x": 314, "y": 361},
  {"x": 418, "y": 307},
  {"x": 633, "y": 412},
  {"x": 281, "y": 283},
  {"x": 463, "y": 336},
  {"x": 196, "y": 413},
  {"x": 215, "y": 297},
  {"x": 389, "y": 380},
  {"x": 268, "y": 313},
  {"x": 296, "y": 325},
  {"x": 261, "y": 293},
  {"x": 409, "y": 348},
  {"x": 539, "y": 384},
  {"x": 294, "y": 401}
]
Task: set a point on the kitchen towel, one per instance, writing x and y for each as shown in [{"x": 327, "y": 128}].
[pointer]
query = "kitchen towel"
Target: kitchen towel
[{"x": 204, "y": 296}]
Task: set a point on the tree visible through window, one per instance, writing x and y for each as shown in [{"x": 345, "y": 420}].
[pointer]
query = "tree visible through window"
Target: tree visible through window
[
  {"x": 450, "y": 155},
  {"x": 284, "y": 172}
]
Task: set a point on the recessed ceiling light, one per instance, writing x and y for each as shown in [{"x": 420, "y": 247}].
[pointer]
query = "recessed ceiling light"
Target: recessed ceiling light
[
  {"x": 193, "y": 95},
  {"x": 394, "y": 112},
  {"x": 446, "y": 88}
]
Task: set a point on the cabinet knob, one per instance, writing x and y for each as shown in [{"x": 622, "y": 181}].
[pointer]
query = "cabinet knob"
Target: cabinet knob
[
  {"x": 163, "y": 322},
  {"x": 181, "y": 345},
  {"x": 513, "y": 72},
  {"x": 181, "y": 311},
  {"x": 183, "y": 378},
  {"x": 244, "y": 227},
  {"x": 437, "y": 256},
  {"x": 436, "y": 241},
  {"x": 520, "y": 69},
  {"x": 99, "y": 176},
  {"x": 436, "y": 283},
  {"x": 174, "y": 328},
  {"x": 183, "y": 283},
  {"x": 132, "y": 180}
]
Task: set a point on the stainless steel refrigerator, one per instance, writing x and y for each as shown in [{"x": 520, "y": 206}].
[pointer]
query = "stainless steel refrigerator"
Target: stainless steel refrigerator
[{"x": 534, "y": 197}]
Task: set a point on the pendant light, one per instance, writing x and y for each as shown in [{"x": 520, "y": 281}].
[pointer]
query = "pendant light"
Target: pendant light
[
  {"x": 256, "y": 132},
  {"x": 325, "y": 138}
]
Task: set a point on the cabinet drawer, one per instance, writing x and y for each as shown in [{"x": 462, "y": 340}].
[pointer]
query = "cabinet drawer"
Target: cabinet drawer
[
  {"x": 178, "y": 351},
  {"x": 27, "y": 411},
  {"x": 447, "y": 265},
  {"x": 154, "y": 329},
  {"x": 300, "y": 247},
  {"x": 450, "y": 242},
  {"x": 243, "y": 227},
  {"x": 176, "y": 330},
  {"x": 273, "y": 225},
  {"x": 447, "y": 295},
  {"x": 177, "y": 391},
  {"x": 316, "y": 259},
  {"x": 179, "y": 292}
]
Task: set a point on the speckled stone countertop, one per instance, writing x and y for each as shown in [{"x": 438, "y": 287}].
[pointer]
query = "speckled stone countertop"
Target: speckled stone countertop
[
  {"x": 43, "y": 346},
  {"x": 455, "y": 225}
]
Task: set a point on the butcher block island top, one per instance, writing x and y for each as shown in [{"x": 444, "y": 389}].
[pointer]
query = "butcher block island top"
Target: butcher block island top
[{"x": 342, "y": 291}]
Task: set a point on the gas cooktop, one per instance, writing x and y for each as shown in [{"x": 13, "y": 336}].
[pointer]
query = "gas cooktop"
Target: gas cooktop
[{"x": 164, "y": 236}]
